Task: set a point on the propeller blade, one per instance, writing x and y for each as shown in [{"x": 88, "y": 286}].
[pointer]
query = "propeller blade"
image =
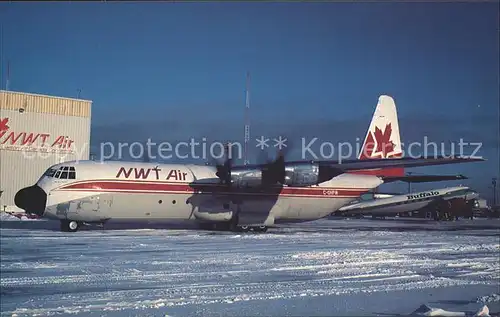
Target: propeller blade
[
  {"x": 274, "y": 172},
  {"x": 224, "y": 170}
]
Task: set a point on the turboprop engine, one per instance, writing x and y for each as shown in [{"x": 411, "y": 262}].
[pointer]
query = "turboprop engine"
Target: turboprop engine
[
  {"x": 302, "y": 174},
  {"x": 277, "y": 172},
  {"x": 294, "y": 174}
]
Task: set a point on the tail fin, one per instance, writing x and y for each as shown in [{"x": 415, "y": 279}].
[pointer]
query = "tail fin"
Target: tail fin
[{"x": 382, "y": 139}]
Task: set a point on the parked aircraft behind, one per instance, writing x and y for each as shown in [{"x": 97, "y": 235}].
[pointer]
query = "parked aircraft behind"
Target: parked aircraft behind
[
  {"x": 391, "y": 206},
  {"x": 238, "y": 198}
]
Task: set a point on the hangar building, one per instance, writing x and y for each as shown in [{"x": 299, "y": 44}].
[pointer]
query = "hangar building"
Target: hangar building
[{"x": 38, "y": 131}]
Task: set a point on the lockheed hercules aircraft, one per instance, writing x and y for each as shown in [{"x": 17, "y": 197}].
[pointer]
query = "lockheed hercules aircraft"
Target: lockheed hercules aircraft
[{"x": 237, "y": 198}]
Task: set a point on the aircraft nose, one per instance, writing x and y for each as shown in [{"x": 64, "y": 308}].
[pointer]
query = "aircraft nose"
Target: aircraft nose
[{"x": 32, "y": 200}]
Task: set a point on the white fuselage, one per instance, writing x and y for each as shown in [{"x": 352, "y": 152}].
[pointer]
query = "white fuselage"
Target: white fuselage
[{"x": 101, "y": 191}]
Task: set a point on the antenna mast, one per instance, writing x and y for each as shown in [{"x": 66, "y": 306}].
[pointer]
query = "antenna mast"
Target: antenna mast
[
  {"x": 7, "y": 82},
  {"x": 247, "y": 119}
]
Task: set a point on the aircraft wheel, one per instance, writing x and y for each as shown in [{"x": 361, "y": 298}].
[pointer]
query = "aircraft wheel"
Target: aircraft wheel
[
  {"x": 69, "y": 226},
  {"x": 260, "y": 229},
  {"x": 244, "y": 228}
]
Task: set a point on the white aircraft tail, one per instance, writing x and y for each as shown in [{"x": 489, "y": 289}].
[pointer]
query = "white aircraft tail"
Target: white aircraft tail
[{"x": 382, "y": 139}]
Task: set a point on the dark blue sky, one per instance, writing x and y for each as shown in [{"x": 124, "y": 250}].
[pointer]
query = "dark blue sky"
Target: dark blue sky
[{"x": 177, "y": 70}]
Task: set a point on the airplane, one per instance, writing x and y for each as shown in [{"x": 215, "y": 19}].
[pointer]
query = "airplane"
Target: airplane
[
  {"x": 236, "y": 198},
  {"x": 404, "y": 203}
]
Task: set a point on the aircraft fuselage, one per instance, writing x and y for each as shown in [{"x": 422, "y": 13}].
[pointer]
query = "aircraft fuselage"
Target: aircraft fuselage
[{"x": 148, "y": 191}]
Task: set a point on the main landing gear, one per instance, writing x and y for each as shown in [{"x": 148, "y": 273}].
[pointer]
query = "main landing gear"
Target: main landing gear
[
  {"x": 69, "y": 225},
  {"x": 249, "y": 228},
  {"x": 234, "y": 228},
  {"x": 73, "y": 226}
]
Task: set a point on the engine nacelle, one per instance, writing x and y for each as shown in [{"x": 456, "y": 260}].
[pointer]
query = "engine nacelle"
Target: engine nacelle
[
  {"x": 302, "y": 174},
  {"x": 298, "y": 174},
  {"x": 250, "y": 177}
]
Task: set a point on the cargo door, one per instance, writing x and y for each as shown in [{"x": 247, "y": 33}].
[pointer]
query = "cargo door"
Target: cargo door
[{"x": 92, "y": 208}]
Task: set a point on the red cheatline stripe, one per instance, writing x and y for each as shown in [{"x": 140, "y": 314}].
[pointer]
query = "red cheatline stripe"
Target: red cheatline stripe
[
  {"x": 106, "y": 186},
  {"x": 140, "y": 181}
]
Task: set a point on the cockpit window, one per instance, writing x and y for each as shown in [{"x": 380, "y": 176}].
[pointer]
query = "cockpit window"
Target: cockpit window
[
  {"x": 50, "y": 172},
  {"x": 71, "y": 173},
  {"x": 63, "y": 172},
  {"x": 458, "y": 192}
]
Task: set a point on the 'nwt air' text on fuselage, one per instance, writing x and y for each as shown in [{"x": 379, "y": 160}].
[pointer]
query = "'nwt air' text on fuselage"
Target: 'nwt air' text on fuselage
[{"x": 151, "y": 173}]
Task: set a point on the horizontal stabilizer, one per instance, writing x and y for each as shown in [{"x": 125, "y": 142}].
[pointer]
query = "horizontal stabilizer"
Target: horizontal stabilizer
[{"x": 423, "y": 178}]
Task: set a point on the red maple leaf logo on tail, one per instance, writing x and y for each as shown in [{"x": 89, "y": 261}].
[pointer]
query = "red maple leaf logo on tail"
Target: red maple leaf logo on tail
[
  {"x": 367, "y": 150},
  {"x": 3, "y": 126},
  {"x": 384, "y": 143},
  {"x": 378, "y": 143}
]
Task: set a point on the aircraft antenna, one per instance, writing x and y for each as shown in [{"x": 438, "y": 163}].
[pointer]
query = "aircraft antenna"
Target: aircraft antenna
[
  {"x": 7, "y": 82},
  {"x": 247, "y": 120}
]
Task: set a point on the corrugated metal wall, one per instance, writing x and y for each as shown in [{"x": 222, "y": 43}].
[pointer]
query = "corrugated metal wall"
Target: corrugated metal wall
[
  {"x": 11, "y": 100},
  {"x": 47, "y": 131}
]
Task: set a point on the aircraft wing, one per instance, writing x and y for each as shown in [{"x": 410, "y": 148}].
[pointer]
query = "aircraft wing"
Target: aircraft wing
[
  {"x": 355, "y": 164},
  {"x": 274, "y": 172},
  {"x": 423, "y": 178}
]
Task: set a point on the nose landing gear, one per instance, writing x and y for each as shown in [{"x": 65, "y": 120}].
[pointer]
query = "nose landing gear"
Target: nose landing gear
[{"x": 69, "y": 226}]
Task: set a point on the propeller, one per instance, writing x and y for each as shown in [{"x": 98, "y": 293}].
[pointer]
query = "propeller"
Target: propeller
[
  {"x": 224, "y": 170},
  {"x": 274, "y": 171}
]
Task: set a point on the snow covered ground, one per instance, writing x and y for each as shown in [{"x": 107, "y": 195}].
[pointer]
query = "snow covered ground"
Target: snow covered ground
[{"x": 323, "y": 268}]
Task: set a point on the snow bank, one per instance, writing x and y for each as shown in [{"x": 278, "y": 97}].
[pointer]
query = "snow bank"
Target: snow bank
[
  {"x": 483, "y": 312},
  {"x": 425, "y": 310},
  {"x": 8, "y": 217},
  {"x": 4, "y": 216},
  {"x": 489, "y": 298}
]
